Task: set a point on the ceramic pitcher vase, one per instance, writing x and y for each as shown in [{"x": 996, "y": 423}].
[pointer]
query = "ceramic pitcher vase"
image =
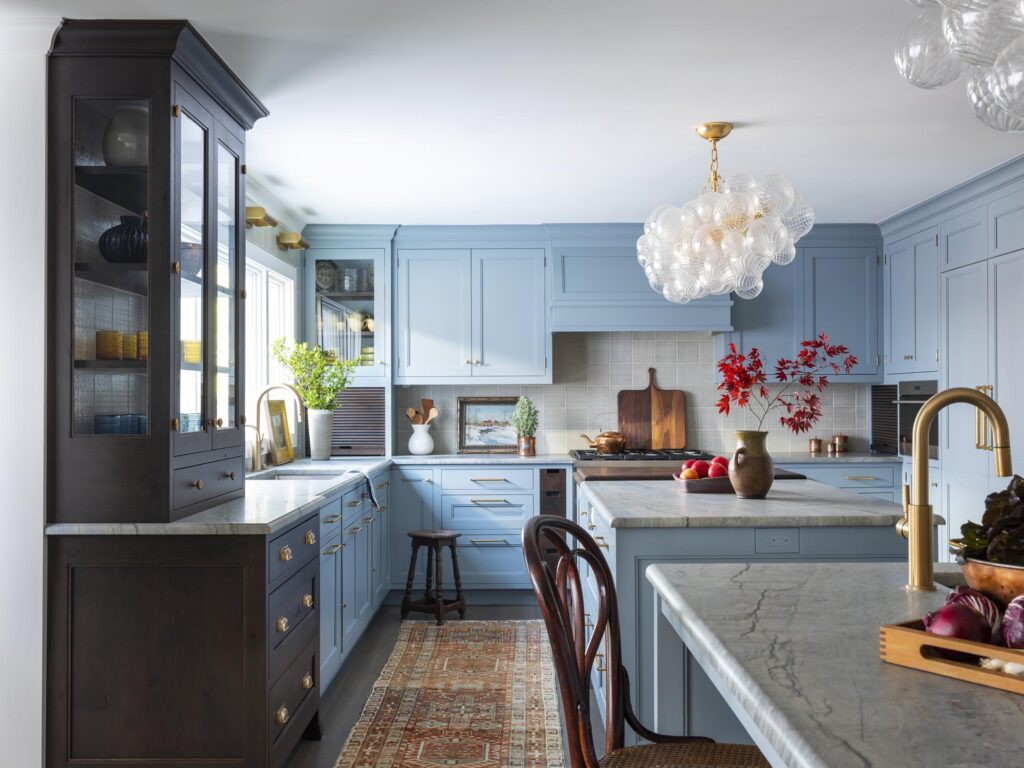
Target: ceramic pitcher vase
[
  {"x": 751, "y": 469},
  {"x": 421, "y": 443}
]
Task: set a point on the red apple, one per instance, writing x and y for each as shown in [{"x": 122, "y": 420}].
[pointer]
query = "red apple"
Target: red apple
[
  {"x": 702, "y": 468},
  {"x": 717, "y": 469},
  {"x": 689, "y": 463},
  {"x": 720, "y": 460}
]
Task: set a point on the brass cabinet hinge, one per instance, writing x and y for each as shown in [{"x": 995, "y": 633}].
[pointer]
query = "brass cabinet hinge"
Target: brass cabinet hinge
[
  {"x": 936, "y": 239},
  {"x": 244, "y": 169},
  {"x": 175, "y": 111},
  {"x": 243, "y": 293},
  {"x": 175, "y": 424},
  {"x": 176, "y": 267},
  {"x": 241, "y": 420}
]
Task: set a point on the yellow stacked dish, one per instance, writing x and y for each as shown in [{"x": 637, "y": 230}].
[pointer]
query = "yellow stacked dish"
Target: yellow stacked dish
[{"x": 108, "y": 345}]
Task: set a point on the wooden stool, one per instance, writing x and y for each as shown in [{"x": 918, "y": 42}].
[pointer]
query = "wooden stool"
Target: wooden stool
[{"x": 434, "y": 603}]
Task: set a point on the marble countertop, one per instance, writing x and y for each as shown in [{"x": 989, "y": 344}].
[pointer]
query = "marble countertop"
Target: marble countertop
[
  {"x": 657, "y": 504},
  {"x": 481, "y": 458},
  {"x": 850, "y": 457},
  {"x": 794, "y": 650}
]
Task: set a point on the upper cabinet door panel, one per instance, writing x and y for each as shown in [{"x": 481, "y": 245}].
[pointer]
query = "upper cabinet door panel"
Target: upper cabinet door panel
[
  {"x": 1006, "y": 277},
  {"x": 432, "y": 312},
  {"x": 963, "y": 239},
  {"x": 1006, "y": 217},
  {"x": 601, "y": 273},
  {"x": 509, "y": 331},
  {"x": 772, "y": 322},
  {"x": 900, "y": 310},
  {"x": 841, "y": 295}
]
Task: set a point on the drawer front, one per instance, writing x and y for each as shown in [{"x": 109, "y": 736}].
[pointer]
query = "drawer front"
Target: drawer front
[
  {"x": 355, "y": 503},
  {"x": 290, "y": 603},
  {"x": 381, "y": 488},
  {"x": 881, "y": 495},
  {"x": 330, "y": 518},
  {"x": 486, "y": 511},
  {"x": 287, "y": 694},
  {"x": 854, "y": 476},
  {"x": 192, "y": 485},
  {"x": 487, "y": 479},
  {"x": 489, "y": 561},
  {"x": 290, "y": 551}
]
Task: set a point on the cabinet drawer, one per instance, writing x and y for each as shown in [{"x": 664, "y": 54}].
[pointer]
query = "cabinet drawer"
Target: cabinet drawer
[
  {"x": 853, "y": 476},
  {"x": 293, "y": 549},
  {"x": 288, "y": 693},
  {"x": 489, "y": 479},
  {"x": 192, "y": 485},
  {"x": 491, "y": 561},
  {"x": 330, "y": 518},
  {"x": 355, "y": 501},
  {"x": 290, "y": 603},
  {"x": 486, "y": 511}
]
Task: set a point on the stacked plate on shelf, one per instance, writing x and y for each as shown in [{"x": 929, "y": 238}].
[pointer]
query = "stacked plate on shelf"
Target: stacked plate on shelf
[{"x": 121, "y": 424}]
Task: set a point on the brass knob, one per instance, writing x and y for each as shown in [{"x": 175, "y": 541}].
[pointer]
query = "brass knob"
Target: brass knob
[
  {"x": 307, "y": 601},
  {"x": 216, "y": 422},
  {"x": 467, "y": 362},
  {"x": 282, "y": 624},
  {"x": 232, "y": 475},
  {"x": 282, "y": 716},
  {"x": 198, "y": 485},
  {"x": 285, "y": 554},
  {"x": 477, "y": 362},
  {"x": 307, "y": 681},
  {"x": 310, "y": 537}
]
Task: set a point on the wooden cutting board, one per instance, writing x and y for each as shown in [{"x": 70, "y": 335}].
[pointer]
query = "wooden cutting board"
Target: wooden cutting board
[{"x": 652, "y": 417}]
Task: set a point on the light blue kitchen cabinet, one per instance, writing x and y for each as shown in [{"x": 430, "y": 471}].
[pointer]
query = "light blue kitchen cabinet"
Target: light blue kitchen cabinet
[
  {"x": 411, "y": 509},
  {"x": 1006, "y": 223},
  {"x": 597, "y": 284},
  {"x": 382, "y": 542},
  {"x": 1006, "y": 294},
  {"x": 963, "y": 237},
  {"x": 361, "y": 550},
  {"x": 841, "y": 299},
  {"x": 329, "y": 607},
  {"x": 509, "y": 329},
  {"x": 349, "y": 601},
  {"x": 964, "y": 363},
  {"x": 912, "y": 303}
]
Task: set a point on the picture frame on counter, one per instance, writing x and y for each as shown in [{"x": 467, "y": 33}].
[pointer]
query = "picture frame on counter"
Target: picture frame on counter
[
  {"x": 485, "y": 425},
  {"x": 280, "y": 436}
]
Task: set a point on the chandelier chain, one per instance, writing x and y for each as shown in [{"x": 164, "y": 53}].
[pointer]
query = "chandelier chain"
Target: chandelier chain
[{"x": 713, "y": 177}]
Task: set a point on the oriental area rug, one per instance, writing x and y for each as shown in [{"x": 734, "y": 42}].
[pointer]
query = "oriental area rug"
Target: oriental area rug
[{"x": 470, "y": 694}]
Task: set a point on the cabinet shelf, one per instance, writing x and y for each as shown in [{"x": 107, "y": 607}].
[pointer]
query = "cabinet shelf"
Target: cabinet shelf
[
  {"x": 350, "y": 295},
  {"x": 137, "y": 366},
  {"x": 124, "y": 186},
  {"x": 132, "y": 278}
]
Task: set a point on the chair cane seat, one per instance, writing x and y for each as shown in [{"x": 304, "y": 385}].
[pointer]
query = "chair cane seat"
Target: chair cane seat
[{"x": 686, "y": 755}]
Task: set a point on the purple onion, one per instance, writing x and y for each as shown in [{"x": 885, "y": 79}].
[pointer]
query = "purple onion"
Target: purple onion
[
  {"x": 978, "y": 602},
  {"x": 1013, "y": 623}
]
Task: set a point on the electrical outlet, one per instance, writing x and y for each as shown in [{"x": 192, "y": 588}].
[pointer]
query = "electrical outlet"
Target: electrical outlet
[{"x": 777, "y": 540}]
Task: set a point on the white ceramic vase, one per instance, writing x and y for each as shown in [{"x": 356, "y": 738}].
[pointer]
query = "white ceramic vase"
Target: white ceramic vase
[
  {"x": 126, "y": 139},
  {"x": 421, "y": 443},
  {"x": 320, "y": 434}
]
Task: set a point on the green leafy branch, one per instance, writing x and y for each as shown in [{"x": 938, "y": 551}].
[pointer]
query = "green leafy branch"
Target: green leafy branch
[{"x": 317, "y": 375}]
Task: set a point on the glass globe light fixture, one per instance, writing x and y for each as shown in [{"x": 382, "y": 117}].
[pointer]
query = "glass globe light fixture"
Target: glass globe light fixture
[{"x": 723, "y": 240}]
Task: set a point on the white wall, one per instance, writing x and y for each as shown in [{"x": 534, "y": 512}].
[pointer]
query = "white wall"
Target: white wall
[{"x": 23, "y": 46}]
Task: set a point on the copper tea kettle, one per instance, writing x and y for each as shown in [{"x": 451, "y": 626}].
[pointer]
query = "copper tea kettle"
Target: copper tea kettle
[{"x": 607, "y": 442}]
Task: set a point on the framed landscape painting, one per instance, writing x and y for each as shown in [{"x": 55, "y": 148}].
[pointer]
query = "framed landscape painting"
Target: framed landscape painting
[{"x": 485, "y": 425}]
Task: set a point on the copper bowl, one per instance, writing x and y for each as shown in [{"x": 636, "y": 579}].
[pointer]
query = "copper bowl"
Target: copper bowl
[{"x": 1000, "y": 582}]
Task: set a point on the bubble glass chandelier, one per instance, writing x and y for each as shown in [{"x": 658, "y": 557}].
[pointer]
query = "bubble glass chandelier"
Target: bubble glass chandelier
[{"x": 723, "y": 241}]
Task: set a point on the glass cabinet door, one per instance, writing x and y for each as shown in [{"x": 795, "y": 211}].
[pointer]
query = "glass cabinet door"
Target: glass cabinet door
[
  {"x": 191, "y": 269},
  {"x": 111, "y": 318}
]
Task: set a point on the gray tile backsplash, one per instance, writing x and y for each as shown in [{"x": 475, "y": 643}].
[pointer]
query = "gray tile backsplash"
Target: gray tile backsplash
[{"x": 591, "y": 368}]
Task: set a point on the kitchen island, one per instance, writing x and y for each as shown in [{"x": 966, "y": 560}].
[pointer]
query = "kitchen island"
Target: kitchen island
[
  {"x": 642, "y": 523},
  {"x": 793, "y": 651}
]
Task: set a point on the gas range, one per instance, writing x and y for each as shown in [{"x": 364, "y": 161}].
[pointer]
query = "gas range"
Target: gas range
[{"x": 641, "y": 454}]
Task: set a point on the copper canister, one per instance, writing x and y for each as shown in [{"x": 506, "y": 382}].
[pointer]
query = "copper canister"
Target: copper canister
[
  {"x": 841, "y": 442},
  {"x": 814, "y": 445}
]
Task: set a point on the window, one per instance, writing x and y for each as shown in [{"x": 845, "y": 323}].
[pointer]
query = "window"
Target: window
[{"x": 269, "y": 315}]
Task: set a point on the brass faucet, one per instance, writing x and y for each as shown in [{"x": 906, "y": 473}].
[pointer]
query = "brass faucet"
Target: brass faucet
[
  {"x": 259, "y": 415},
  {"x": 916, "y": 525}
]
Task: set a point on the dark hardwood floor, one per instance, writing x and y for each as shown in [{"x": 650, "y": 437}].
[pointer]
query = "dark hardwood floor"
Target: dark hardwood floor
[{"x": 341, "y": 706}]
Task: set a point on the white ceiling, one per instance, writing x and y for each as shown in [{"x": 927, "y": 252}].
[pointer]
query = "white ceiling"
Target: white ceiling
[{"x": 528, "y": 111}]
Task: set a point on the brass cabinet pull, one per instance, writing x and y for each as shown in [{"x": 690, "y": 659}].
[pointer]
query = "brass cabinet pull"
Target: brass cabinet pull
[
  {"x": 467, "y": 362},
  {"x": 285, "y": 554},
  {"x": 331, "y": 520},
  {"x": 367, "y": 521},
  {"x": 488, "y": 541},
  {"x": 382, "y": 486},
  {"x": 282, "y": 716},
  {"x": 307, "y": 601},
  {"x": 282, "y": 624},
  {"x": 477, "y": 362},
  {"x": 354, "y": 530},
  {"x": 198, "y": 485},
  {"x": 332, "y": 550},
  {"x": 599, "y": 540},
  {"x": 586, "y": 620},
  {"x": 861, "y": 477},
  {"x": 428, "y": 480},
  {"x": 383, "y": 508},
  {"x": 310, "y": 537},
  {"x": 231, "y": 475},
  {"x": 600, "y": 664},
  {"x": 353, "y": 503},
  {"x": 307, "y": 681},
  {"x": 591, "y": 527},
  {"x": 488, "y": 479},
  {"x": 489, "y": 501}
]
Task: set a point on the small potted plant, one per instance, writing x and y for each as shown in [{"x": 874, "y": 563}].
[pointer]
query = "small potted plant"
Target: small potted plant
[
  {"x": 318, "y": 377},
  {"x": 524, "y": 422},
  {"x": 745, "y": 385}
]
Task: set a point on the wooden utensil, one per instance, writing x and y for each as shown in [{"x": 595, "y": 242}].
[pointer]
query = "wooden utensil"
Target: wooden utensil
[
  {"x": 426, "y": 406},
  {"x": 414, "y": 415},
  {"x": 653, "y": 418},
  {"x": 432, "y": 414}
]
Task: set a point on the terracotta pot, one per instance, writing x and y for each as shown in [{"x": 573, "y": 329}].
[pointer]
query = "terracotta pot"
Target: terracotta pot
[
  {"x": 751, "y": 469},
  {"x": 527, "y": 446}
]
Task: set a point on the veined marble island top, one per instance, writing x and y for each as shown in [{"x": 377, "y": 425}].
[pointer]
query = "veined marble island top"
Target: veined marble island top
[
  {"x": 793, "y": 649},
  {"x": 658, "y": 504}
]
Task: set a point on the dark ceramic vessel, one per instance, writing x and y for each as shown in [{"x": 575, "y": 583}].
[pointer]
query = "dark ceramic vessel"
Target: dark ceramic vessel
[
  {"x": 751, "y": 469},
  {"x": 125, "y": 243}
]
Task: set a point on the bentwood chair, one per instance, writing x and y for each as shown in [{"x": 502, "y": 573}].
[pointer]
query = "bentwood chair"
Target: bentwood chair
[{"x": 559, "y": 589}]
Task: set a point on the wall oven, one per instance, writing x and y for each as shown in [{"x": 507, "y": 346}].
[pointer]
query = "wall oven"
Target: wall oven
[{"x": 910, "y": 396}]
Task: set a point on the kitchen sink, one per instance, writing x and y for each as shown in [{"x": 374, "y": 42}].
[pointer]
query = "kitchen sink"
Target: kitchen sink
[{"x": 293, "y": 474}]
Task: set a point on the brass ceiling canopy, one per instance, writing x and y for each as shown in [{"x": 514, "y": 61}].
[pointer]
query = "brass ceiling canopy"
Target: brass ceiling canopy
[{"x": 713, "y": 131}]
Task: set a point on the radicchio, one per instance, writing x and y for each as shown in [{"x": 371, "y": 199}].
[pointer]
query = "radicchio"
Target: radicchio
[
  {"x": 979, "y": 602},
  {"x": 1013, "y": 623}
]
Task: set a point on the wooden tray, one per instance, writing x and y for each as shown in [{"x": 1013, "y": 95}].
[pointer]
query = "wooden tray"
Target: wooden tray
[
  {"x": 705, "y": 484},
  {"x": 908, "y": 645}
]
